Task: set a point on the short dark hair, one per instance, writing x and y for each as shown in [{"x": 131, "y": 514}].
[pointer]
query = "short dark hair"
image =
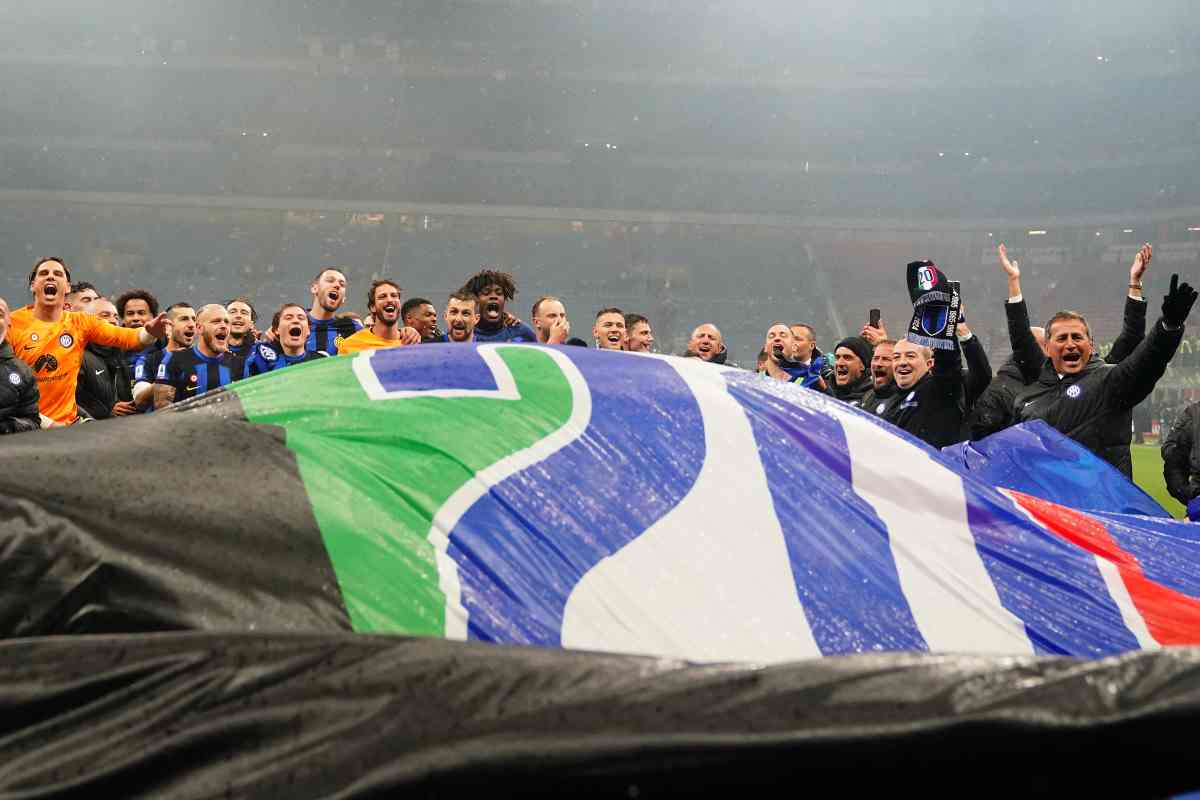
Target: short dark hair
[
  {"x": 33, "y": 272},
  {"x": 634, "y": 319},
  {"x": 82, "y": 286},
  {"x": 610, "y": 310},
  {"x": 137, "y": 294},
  {"x": 464, "y": 296},
  {"x": 246, "y": 300},
  {"x": 1064, "y": 316},
  {"x": 279, "y": 313},
  {"x": 533, "y": 312},
  {"x": 409, "y": 305},
  {"x": 812, "y": 332},
  {"x": 174, "y": 306},
  {"x": 491, "y": 277},
  {"x": 323, "y": 270},
  {"x": 375, "y": 285}
]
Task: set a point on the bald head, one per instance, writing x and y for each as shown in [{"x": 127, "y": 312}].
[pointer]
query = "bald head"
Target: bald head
[
  {"x": 212, "y": 325},
  {"x": 706, "y": 341}
]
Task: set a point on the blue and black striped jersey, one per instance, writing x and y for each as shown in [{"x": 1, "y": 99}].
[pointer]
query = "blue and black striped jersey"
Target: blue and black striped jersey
[
  {"x": 267, "y": 358},
  {"x": 193, "y": 374},
  {"x": 324, "y": 335}
]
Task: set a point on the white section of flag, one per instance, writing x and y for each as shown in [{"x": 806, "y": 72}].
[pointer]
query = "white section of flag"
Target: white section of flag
[
  {"x": 922, "y": 502},
  {"x": 712, "y": 579}
]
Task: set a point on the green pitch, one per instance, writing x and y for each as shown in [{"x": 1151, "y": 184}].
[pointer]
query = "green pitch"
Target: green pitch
[{"x": 1148, "y": 474}]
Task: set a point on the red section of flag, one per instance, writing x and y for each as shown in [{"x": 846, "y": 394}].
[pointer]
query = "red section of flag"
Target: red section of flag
[{"x": 1171, "y": 617}]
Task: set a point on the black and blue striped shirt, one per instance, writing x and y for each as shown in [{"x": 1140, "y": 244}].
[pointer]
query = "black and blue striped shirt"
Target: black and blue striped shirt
[
  {"x": 192, "y": 374},
  {"x": 324, "y": 335}
]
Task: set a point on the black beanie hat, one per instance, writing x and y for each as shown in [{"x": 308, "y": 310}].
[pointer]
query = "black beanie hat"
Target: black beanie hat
[{"x": 859, "y": 346}]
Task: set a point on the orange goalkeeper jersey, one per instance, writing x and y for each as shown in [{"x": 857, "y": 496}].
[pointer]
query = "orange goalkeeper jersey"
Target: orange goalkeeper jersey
[
  {"x": 365, "y": 340},
  {"x": 54, "y": 350}
]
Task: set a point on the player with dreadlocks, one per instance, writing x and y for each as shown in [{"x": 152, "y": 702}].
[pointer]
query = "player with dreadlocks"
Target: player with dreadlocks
[{"x": 494, "y": 289}]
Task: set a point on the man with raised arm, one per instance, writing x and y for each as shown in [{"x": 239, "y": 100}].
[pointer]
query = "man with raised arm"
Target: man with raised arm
[
  {"x": 993, "y": 411},
  {"x": 52, "y": 340}
]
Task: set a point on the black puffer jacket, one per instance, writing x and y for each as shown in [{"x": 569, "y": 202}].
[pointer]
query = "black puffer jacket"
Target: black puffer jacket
[
  {"x": 103, "y": 380},
  {"x": 993, "y": 411},
  {"x": 18, "y": 394},
  {"x": 1181, "y": 455},
  {"x": 877, "y": 400},
  {"x": 1095, "y": 407}
]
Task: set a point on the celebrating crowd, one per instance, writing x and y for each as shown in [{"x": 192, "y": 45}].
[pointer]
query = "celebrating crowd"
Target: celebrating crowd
[{"x": 73, "y": 355}]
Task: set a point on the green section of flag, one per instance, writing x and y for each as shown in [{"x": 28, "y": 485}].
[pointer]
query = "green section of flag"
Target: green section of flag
[{"x": 377, "y": 471}]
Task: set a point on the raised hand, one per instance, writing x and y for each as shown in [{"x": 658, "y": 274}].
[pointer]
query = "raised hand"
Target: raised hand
[
  {"x": 1140, "y": 262},
  {"x": 1178, "y": 303},
  {"x": 1011, "y": 268},
  {"x": 873, "y": 335}
]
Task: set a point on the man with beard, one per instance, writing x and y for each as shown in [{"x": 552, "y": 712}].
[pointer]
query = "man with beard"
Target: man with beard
[
  {"x": 383, "y": 301},
  {"x": 420, "y": 315},
  {"x": 851, "y": 380},
  {"x": 290, "y": 326},
  {"x": 52, "y": 340},
  {"x": 105, "y": 385},
  {"x": 883, "y": 388},
  {"x": 639, "y": 336},
  {"x": 994, "y": 409},
  {"x": 494, "y": 289},
  {"x": 327, "y": 330},
  {"x": 462, "y": 314},
  {"x": 1090, "y": 401},
  {"x": 929, "y": 401},
  {"x": 242, "y": 334},
  {"x": 206, "y": 365},
  {"x": 707, "y": 344},
  {"x": 18, "y": 387},
  {"x": 609, "y": 330},
  {"x": 181, "y": 324}
]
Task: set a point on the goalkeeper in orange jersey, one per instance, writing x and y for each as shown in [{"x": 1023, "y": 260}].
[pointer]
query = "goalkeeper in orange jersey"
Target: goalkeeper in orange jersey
[{"x": 51, "y": 340}]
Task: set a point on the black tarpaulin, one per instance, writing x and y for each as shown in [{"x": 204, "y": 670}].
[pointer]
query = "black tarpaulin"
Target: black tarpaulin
[{"x": 246, "y": 715}]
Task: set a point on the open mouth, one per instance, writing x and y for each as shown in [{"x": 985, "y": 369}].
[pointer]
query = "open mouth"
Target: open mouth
[
  {"x": 295, "y": 331},
  {"x": 1072, "y": 358},
  {"x": 389, "y": 308},
  {"x": 50, "y": 290},
  {"x": 614, "y": 338},
  {"x": 704, "y": 348},
  {"x": 777, "y": 351},
  {"x": 221, "y": 336},
  {"x": 333, "y": 297}
]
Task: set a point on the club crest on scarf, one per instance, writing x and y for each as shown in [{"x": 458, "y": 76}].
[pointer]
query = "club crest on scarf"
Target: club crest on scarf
[{"x": 935, "y": 306}]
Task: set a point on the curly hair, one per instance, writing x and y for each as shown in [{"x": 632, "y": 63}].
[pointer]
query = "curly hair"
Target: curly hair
[{"x": 490, "y": 277}]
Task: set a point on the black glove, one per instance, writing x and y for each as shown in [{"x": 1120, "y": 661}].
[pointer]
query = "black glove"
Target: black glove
[{"x": 1178, "y": 302}]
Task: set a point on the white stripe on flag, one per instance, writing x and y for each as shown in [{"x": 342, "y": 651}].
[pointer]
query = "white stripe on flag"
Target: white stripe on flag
[
  {"x": 711, "y": 580},
  {"x": 943, "y": 577}
]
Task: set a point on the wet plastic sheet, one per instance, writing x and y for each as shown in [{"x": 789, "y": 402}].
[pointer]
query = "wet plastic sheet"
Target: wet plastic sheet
[{"x": 211, "y": 715}]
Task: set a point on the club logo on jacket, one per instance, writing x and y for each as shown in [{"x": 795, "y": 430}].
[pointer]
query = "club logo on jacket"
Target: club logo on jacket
[
  {"x": 14, "y": 379},
  {"x": 1074, "y": 391}
]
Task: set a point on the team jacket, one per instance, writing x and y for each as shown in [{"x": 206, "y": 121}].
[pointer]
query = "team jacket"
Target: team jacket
[
  {"x": 994, "y": 410},
  {"x": 18, "y": 394},
  {"x": 932, "y": 409},
  {"x": 514, "y": 333},
  {"x": 103, "y": 380},
  {"x": 1095, "y": 407}
]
